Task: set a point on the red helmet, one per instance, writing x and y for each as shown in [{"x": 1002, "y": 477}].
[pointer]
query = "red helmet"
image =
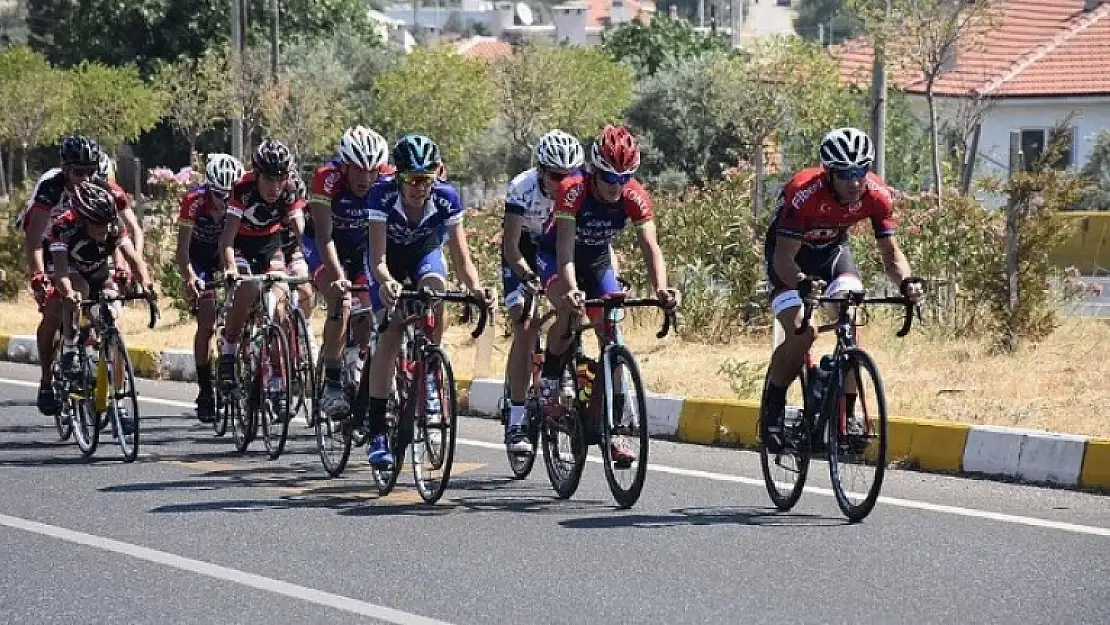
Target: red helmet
[{"x": 615, "y": 151}]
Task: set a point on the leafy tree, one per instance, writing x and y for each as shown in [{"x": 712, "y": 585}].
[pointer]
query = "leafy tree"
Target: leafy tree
[
  {"x": 448, "y": 97},
  {"x": 664, "y": 42},
  {"x": 541, "y": 86},
  {"x": 839, "y": 21},
  {"x": 198, "y": 95},
  {"x": 113, "y": 104},
  {"x": 248, "y": 88},
  {"x": 34, "y": 96}
]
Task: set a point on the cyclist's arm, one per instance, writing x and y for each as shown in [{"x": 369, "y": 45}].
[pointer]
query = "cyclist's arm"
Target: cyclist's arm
[
  {"x": 61, "y": 274},
  {"x": 460, "y": 257},
  {"x": 783, "y": 263},
  {"x": 321, "y": 222},
  {"x": 566, "y": 230},
  {"x": 38, "y": 222},
  {"x": 653, "y": 256},
  {"x": 227, "y": 241},
  {"x": 132, "y": 222},
  {"x": 135, "y": 259},
  {"x": 895, "y": 265},
  {"x": 510, "y": 244},
  {"x": 184, "y": 239},
  {"x": 378, "y": 244}
]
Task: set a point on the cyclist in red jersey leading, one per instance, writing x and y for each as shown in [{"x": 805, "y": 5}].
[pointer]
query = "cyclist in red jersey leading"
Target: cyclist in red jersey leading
[{"x": 808, "y": 242}]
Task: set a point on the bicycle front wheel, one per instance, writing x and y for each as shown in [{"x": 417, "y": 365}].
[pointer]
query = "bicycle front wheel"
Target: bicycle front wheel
[
  {"x": 80, "y": 405},
  {"x": 564, "y": 441},
  {"x": 521, "y": 463},
  {"x": 241, "y": 401},
  {"x": 784, "y": 473},
  {"x": 858, "y": 437},
  {"x": 433, "y": 445},
  {"x": 624, "y": 427},
  {"x": 63, "y": 420},
  {"x": 123, "y": 401},
  {"x": 333, "y": 438},
  {"x": 304, "y": 370},
  {"x": 275, "y": 367},
  {"x": 399, "y": 418}
]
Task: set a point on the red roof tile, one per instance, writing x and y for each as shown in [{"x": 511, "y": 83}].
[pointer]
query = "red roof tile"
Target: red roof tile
[
  {"x": 484, "y": 48},
  {"x": 597, "y": 11},
  {"x": 1034, "y": 48}
]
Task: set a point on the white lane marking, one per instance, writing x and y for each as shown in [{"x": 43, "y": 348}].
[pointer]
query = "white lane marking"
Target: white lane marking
[
  {"x": 276, "y": 586},
  {"x": 739, "y": 479}
]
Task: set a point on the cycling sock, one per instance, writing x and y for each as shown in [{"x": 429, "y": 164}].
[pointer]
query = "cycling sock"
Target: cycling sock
[
  {"x": 376, "y": 406},
  {"x": 516, "y": 414},
  {"x": 204, "y": 375}
]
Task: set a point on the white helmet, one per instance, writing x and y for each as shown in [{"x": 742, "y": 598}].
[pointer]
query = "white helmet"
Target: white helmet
[
  {"x": 845, "y": 148},
  {"x": 362, "y": 147},
  {"x": 559, "y": 150},
  {"x": 221, "y": 171},
  {"x": 105, "y": 169}
]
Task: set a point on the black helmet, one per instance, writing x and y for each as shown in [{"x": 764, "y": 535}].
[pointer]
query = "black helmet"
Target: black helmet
[
  {"x": 272, "y": 158},
  {"x": 80, "y": 151},
  {"x": 94, "y": 203},
  {"x": 416, "y": 154}
]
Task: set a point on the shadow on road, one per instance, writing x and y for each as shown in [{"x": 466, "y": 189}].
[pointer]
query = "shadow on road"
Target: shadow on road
[{"x": 706, "y": 516}]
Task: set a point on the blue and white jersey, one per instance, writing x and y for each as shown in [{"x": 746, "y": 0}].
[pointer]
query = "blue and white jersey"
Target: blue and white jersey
[
  {"x": 524, "y": 196},
  {"x": 442, "y": 210}
]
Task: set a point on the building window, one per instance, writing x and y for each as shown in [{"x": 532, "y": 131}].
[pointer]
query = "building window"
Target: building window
[{"x": 1034, "y": 142}]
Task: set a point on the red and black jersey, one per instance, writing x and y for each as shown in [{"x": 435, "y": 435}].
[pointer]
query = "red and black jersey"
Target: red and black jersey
[
  {"x": 259, "y": 218},
  {"x": 69, "y": 234},
  {"x": 808, "y": 211}
]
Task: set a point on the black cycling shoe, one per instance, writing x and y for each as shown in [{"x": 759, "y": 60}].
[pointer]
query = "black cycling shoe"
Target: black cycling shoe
[
  {"x": 48, "y": 402},
  {"x": 771, "y": 423},
  {"x": 206, "y": 406}
]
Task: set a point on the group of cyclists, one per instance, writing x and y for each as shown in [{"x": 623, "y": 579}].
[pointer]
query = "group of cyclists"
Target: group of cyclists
[{"x": 380, "y": 216}]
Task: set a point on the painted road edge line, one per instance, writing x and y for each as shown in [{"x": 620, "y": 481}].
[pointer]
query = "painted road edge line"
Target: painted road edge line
[
  {"x": 200, "y": 567},
  {"x": 1034, "y": 456}
]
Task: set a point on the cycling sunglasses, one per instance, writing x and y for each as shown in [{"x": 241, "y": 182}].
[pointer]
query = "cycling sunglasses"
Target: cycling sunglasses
[
  {"x": 851, "y": 173},
  {"x": 611, "y": 178},
  {"x": 416, "y": 179},
  {"x": 555, "y": 176}
]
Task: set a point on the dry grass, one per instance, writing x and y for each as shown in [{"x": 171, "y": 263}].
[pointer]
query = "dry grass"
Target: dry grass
[{"x": 1059, "y": 385}]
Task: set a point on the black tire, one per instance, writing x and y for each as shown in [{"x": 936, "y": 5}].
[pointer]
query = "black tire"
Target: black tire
[
  {"x": 125, "y": 397},
  {"x": 274, "y": 419},
  {"x": 220, "y": 420},
  {"x": 793, "y": 462},
  {"x": 79, "y": 401},
  {"x": 304, "y": 370},
  {"x": 634, "y": 429},
  {"x": 333, "y": 438},
  {"x": 399, "y": 420},
  {"x": 564, "y": 445},
  {"x": 434, "y": 444},
  {"x": 521, "y": 464},
  {"x": 242, "y": 399},
  {"x": 63, "y": 420},
  {"x": 853, "y": 452}
]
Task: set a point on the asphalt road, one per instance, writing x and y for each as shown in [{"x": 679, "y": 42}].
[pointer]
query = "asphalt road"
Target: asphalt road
[{"x": 196, "y": 533}]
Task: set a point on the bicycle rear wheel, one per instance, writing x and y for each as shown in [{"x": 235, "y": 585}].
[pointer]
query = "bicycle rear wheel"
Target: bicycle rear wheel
[
  {"x": 433, "y": 448},
  {"x": 626, "y": 479},
  {"x": 333, "y": 438},
  {"x": 63, "y": 420},
  {"x": 564, "y": 442},
  {"x": 304, "y": 370},
  {"x": 858, "y": 441},
  {"x": 275, "y": 407},
  {"x": 399, "y": 421},
  {"x": 78, "y": 401},
  {"x": 123, "y": 401},
  {"x": 784, "y": 473}
]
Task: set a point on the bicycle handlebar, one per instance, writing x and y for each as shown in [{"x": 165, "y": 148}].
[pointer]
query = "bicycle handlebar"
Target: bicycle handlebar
[
  {"x": 460, "y": 297},
  {"x": 857, "y": 298},
  {"x": 151, "y": 301},
  {"x": 619, "y": 301}
]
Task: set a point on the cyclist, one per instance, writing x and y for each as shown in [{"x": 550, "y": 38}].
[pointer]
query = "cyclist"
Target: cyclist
[
  {"x": 198, "y": 258},
  {"x": 295, "y": 262},
  {"x": 591, "y": 208},
  {"x": 411, "y": 216},
  {"x": 264, "y": 202},
  {"x": 83, "y": 241},
  {"x": 80, "y": 160},
  {"x": 529, "y": 201},
  {"x": 807, "y": 242},
  {"x": 336, "y": 243}
]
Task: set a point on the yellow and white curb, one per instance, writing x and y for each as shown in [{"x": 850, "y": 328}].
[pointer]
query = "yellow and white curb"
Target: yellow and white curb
[{"x": 931, "y": 445}]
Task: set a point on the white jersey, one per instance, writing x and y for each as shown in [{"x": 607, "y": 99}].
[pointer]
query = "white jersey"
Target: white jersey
[{"x": 524, "y": 196}]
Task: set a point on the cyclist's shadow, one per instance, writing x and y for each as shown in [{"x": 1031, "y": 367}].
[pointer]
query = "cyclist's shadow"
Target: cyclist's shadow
[{"x": 768, "y": 517}]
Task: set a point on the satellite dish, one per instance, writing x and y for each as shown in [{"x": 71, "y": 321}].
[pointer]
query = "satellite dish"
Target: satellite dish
[{"x": 524, "y": 14}]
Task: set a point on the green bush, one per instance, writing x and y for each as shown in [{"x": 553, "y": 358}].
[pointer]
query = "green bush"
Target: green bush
[{"x": 13, "y": 258}]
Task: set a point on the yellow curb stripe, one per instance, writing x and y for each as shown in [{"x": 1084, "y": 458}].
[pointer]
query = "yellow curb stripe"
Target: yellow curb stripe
[
  {"x": 4, "y": 340},
  {"x": 1096, "y": 464},
  {"x": 146, "y": 362},
  {"x": 933, "y": 445},
  {"x": 718, "y": 421}
]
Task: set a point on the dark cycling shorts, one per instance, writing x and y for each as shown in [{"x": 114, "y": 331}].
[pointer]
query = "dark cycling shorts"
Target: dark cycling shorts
[
  {"x": 259, "y": 255},
  {"x": 510, "y": 283},
  {"x": 829, "y": 264},
  {"x": 354, "y": 260},
  {"x": 412, "y": 268},
  {"x": 592, "y": 270}
]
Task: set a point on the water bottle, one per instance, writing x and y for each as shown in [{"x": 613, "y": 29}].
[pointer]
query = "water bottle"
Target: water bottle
[{"x": 819, "y": 377}]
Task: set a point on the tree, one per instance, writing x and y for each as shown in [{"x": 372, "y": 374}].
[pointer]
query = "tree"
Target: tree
[
  {"x": 439, "y": 93},
  {"x": 671, "y": 112},
  {"x": 198, "y": 95},
  {"x": 664, "y": 42},
  {"x": 785, "y": 89},
  {"x": 307, "y": 107},
  {"x": 838, "y": 24},
  {"x": 1097, "y": 174},
  {"x": 247, "y": 89},
  {"x": 113, "y": 104},
  {"x": 541, "y": 86},
  {"x": 34, "y": 96}
]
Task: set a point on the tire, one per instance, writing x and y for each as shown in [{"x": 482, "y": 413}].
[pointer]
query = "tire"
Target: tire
[
  {"x": 521, "y": 464},
  {"x": 847, "y": 453},
  {"x": 242, "y": 403},
  {"x": 564, "y": 444},
  {"x": 219, "y": 423},
  {"x": 633, "y": 429},
  {"x": 275, "y": 419},
  {"x": 433, "y": 446},
  {"x": 304, "y": 370},
  {"x": 794, "y": 463},
  {"x": 333, "y": 439},
  {"x": 126, "y": 428},
  {"x": 80, "y": 403},
  {"x": 399, "y": 418}
]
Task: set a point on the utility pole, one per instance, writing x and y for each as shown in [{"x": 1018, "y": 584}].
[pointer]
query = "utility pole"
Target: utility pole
[
  {"x": 274, "y": 41},
  {"x": 878, "y": 95},
  {"x": 236, "y": 63}
]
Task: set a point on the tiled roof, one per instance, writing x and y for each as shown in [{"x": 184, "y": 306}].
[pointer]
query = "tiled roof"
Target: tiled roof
[
  {"x": 598, "y": 10},
  {"x": 1032, "y": 48},
  {"x": 483, "y": 47}
]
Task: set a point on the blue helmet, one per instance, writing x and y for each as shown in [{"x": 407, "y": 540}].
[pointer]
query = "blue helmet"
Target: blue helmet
[{"x": 417, "y": 154}]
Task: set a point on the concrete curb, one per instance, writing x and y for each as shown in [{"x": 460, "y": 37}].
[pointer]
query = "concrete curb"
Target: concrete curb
[{"x": 1006, "y": 453}]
